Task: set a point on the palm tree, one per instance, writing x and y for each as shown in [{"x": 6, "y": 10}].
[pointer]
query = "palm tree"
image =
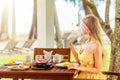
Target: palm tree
[
  {"x": 13, "y": 21},
  {"x": 33, "y": 31},
  {"x": 4, "y": 24},
  {"x": 57, "y": 30}
]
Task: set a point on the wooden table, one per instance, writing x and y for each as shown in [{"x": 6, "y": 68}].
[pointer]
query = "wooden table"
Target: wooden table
[{"x": 53, "y": 74}]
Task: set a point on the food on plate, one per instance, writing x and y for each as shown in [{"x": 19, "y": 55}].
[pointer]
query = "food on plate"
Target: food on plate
[
  {"x": 41, "y": 61},
  {"x": 21, "y": 66},
  {"x": 27, "y": 63},
  {"x": 14, "y": 66},
  {"x": 66, "y": 63},
  {"x": 11, "y": 62},
  {"x": 18, "y": 66}
]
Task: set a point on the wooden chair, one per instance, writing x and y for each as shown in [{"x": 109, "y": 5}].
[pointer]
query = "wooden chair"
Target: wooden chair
[
  {"x": 64, "y": 51},
  {"x": 108, "y": 74}
]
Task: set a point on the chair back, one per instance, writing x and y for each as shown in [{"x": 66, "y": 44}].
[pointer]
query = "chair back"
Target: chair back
[{"x": 63, "y": 51}]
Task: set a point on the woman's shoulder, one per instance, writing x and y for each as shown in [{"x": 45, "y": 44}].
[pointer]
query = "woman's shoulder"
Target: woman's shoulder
[{"x": 95, "y": 44}]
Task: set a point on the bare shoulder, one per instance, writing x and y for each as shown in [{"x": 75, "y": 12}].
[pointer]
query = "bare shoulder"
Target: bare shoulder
[
  {"x": 95, "y": 45},
  {"x": 98, "y": 51}
]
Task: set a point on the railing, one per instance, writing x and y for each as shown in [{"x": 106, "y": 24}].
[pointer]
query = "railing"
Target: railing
[
  {"x": 109, "y": 76},
  {"x": 112, "y": 75}
]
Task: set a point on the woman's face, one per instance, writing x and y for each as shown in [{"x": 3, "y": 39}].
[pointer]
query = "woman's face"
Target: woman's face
[
  {"x": 84, "y": 34},
  {"x": 85, "y": 30}
]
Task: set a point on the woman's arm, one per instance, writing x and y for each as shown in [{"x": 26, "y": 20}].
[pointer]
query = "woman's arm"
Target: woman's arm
[
  {"x": 97, "y": 59},
  {"x": 75, "y": 54}
]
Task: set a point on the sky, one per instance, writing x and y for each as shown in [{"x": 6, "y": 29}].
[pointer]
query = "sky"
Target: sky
[
  {"x": 23, "y": 15},
  {"x": 67, "y": 15},
  {"x": 67, "y": 20}
]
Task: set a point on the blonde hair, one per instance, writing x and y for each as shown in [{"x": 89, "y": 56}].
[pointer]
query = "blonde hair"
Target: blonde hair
[{"x": 93, "y": 24}]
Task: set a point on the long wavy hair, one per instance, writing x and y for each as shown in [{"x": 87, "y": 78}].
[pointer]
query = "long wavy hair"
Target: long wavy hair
[{"x": 93, "y": 25}]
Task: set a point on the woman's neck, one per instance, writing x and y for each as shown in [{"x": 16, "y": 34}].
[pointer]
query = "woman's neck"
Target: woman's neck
[{"x": 91, "y": 39}]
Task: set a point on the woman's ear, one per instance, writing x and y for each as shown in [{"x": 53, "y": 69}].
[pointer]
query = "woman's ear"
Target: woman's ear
[{"x": 85, "y": 31}]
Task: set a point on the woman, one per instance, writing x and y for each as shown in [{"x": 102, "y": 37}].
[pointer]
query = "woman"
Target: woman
[{"x": 91, "y": 56}]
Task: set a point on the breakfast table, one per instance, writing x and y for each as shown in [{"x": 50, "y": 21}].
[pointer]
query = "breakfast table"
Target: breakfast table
[
  {"x": 54, "y": 73},
  {"x": 40, "y": 68}
]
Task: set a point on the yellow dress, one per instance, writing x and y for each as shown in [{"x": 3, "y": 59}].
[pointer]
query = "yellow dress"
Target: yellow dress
[{"x": 86, "y": 60}]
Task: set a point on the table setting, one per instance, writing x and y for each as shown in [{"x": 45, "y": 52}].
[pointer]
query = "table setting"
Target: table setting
[
  {"x": 43, "y": 61},
  {"x": 16, "y": 65},
  {"x": 46, "y": 61},
  {"x": 38, "y": 67}
]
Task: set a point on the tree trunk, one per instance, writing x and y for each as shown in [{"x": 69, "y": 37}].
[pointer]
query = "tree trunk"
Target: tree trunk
[
  {"x": 115, "y": 52},
  {"x": 105, "y": 26},
  {"x": 57, "y": 29},
  {"x": 115, "y": 40},
  {"x": 13, "y": 36},
  {"x": 13, "y": 21},
  {"x": 33, "y": 31},
  {"x": 86, "y": 8},
  {"x": 4, "y": 23}
]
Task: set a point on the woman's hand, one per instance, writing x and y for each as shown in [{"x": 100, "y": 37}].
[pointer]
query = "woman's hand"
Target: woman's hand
[
  {"x": 73, "y": 66},
  {"x": 75, "y": 54},
  {"x": 71, "y": 46}
]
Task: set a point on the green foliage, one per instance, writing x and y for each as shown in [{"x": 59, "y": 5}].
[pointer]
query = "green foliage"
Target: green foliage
[
  {"x": 6, "y": 58},
  {"x": 75, "y": 2},
  {"x": 118, "y": 18},
  {"x": 106, "y": 62},
  {"x": 80, "y": 4}
]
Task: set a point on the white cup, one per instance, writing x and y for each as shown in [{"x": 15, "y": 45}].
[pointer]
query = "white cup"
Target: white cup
[
  {"x": 38, "y": 57},
  {"x": 57, "y": 58},
  {"x": 28, "y": 58}
]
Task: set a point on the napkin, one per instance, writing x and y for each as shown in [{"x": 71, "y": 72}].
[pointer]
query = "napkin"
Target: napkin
[{"x": 47, "y": 55}]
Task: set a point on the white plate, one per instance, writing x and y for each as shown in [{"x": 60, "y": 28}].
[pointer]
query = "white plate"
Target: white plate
[
  {"x": 60, "y": 65},
  {"x": 17, "y": 67},
  {"x": 6, "y": 64},
  {"x": 17, "y": 62}
]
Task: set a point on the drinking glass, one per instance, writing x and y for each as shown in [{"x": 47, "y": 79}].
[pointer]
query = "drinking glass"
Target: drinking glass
[
  {"x": 57, "y": 58},
  {"x": 38, "y": 57}
]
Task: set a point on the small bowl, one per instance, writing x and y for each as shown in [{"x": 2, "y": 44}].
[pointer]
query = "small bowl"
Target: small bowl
[{"x": 41, "y": 64}]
